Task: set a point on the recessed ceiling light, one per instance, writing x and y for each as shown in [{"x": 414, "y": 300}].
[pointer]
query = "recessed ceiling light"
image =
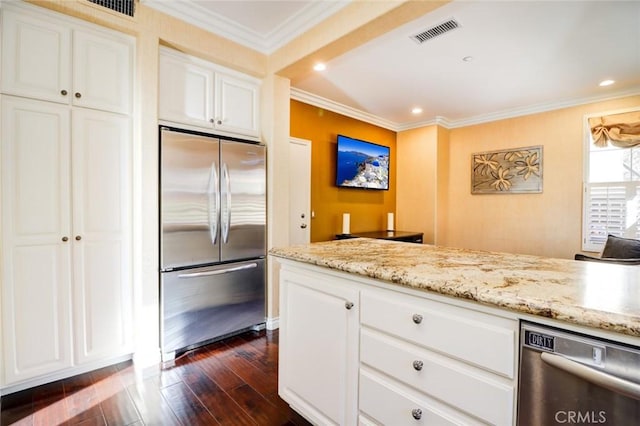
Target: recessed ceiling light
[
  {"x": 320, "y": 66},
  {"x": 468, "y": 58},
  {"x": 416, "y": 110},
  {"x": 606, "y": 83}
]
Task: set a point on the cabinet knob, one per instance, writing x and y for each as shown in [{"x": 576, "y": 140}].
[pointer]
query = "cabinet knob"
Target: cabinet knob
[
  {"x": 219, "y": 122},
  {"x": 78, "y": 237},
  {"x": 417, "y": 318},
  {"x": 416, "y": 413},
  {"x": 303, "y": 226},
  {"x": 65, "y": 239},
  {"x": 211, "y": 120},
  {"x": 417, "y": 365},
  {"x": 78, "y": 95},
  {"x": 63, "y": 92},
  {"x": 348, "y": 305}
]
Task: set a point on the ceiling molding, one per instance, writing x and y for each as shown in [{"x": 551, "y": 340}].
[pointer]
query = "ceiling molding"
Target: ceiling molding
[
  {"x": 301, "y": 22},
  {"x": 328, "y": 104},
  {"x": 539, "y": 108},
  {"x": 311, "y": 99},
  {"x": 195, "y": 14}
]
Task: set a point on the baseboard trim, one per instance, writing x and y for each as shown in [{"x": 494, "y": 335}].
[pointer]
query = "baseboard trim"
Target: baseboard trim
[{"x": 273, "y": 323}]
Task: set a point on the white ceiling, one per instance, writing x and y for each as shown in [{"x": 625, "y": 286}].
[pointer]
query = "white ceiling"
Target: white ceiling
[{"x": 527, "y": 56}]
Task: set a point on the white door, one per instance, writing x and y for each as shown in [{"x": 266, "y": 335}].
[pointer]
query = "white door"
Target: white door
[
  {"x": 101, "y": 234},
  {"x": 299, "y": 191},
  {"x": 319, "y": 348},
  {"x": 102, "y": 72},
  {"x": 36, "y": 58},
  {"x": 236, "y": 107},
  {"x": 36, "y": 240},
  {"x": 186, "y": 92}
]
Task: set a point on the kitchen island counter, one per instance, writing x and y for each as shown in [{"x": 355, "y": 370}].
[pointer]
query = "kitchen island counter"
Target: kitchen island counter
[{"x": 589, "y": 294}]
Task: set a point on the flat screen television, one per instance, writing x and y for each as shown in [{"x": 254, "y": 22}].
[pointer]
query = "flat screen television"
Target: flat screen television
[{"x": 361, "y": 164}]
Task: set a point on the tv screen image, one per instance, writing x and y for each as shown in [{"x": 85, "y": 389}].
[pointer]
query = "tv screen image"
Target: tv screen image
[{"x": 362, "y": 164}]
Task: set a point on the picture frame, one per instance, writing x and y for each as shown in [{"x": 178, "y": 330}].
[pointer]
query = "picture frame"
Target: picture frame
[{"x": 507, "y": 171}]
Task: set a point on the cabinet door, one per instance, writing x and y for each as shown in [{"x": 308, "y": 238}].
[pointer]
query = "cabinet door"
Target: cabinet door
[
  {"x": 36, "y": 57},
  {"x": 319, "y": 348},
  {"x": 101, "y": 145},
  {"x": 102, "y": 72},
  {"x": 186, "y": 92},
  {"x": 236, "y": 105},
  {"x": 35, "y": 220}
]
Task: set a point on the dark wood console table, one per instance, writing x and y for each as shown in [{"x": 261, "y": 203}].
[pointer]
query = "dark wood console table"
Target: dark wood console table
[{"x": 407, "y": 236}]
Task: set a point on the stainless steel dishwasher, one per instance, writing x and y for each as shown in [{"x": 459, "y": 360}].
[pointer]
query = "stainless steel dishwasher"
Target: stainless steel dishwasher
[{"x": 568, "y": 378}]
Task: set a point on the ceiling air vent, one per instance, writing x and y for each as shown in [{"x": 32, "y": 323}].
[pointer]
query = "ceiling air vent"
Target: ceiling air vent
[
  {"x": 436, "y": 31},
  {"x": 125, "y": 7}
]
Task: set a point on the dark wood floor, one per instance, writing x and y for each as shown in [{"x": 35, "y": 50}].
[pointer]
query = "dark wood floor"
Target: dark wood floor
[{"x": 231, "y": 382}]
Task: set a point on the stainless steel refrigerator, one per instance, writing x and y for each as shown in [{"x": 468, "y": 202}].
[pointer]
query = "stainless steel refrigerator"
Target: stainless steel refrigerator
[{"x": 212, "y": 238}]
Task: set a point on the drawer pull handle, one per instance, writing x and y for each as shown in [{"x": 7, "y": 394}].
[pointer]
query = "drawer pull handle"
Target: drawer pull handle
[
  {"x": 348, "y": 305},
  {"x": 417, "y": 365},
  {"x": 416, "y": 413},
  {"x": 417, "y": 318}
]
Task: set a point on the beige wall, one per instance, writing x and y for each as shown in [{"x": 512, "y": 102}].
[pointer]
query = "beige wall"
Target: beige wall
[
  {"x": 547, "y": 224},
  {"x": 417, "y": 175}
]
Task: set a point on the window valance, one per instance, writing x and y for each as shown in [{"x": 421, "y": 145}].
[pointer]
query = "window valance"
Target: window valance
[{"x": 621, "y": 130}]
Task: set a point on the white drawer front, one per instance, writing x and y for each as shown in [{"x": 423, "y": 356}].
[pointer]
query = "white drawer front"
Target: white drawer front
[
  {"x": 472, "y": 391},
  {"x": 481, "y": 339},
  {"x": 382, "y": 403}
]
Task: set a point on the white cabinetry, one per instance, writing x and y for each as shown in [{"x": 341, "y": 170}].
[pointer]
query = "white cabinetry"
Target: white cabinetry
[
  {"x": 421, "y": 360},
  {"x": 318, "y": 356},
  {"x": 49, "y": 60},
  {"x": 36, "y": 215},
  {"x": 66, "y": 291},
  {"x": 409, "y": 343},
  {"x": 202, "y": 94},
  {"x": 101, "y": 188}
]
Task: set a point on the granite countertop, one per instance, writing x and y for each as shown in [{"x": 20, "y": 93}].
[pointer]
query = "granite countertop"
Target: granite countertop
[{"x": 591, "y": 294}]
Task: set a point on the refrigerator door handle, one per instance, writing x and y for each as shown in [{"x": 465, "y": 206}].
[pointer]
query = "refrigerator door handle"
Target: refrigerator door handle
[
  {"x": 226, "y": 221},
  {"x": 219, "y": 271},
  {"x": 214, "y": 198}
]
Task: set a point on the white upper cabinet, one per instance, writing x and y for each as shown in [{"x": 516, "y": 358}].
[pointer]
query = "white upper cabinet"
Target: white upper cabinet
[
  {"x": 36, "y": 57},
  {"x": 186, "y": 92},
  {"x": 54, "y": 61},
  {"x": 236, "y": 105},
  {"x": 101, "y": 72},
  {"x": 202, "y": 94}
]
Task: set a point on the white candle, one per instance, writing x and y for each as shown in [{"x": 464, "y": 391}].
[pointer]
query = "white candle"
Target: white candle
[
  {"x": 345, "y": 223},
  {"x": 389, "y": 221}
]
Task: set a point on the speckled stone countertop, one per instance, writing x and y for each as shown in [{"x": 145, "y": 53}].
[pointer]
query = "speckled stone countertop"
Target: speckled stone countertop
[{"x": 586, "y": 293}]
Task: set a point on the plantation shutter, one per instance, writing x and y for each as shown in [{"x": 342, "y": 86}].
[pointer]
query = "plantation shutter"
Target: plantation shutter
[{"x": 611, "y": 208}]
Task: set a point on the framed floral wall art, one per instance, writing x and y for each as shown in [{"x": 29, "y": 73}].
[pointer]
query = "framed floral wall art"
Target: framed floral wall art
[{"x": 508, "y": 171}]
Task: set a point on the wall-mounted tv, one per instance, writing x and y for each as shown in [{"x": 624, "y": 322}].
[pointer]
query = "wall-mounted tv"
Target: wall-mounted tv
[{"x": 362, "y": 164}]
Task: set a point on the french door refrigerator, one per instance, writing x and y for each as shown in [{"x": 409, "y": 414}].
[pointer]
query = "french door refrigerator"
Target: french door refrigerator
[{"x": 212, "y": 238}]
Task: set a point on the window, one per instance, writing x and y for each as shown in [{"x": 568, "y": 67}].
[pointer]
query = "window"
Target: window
[{"x": 611, "y": 194}]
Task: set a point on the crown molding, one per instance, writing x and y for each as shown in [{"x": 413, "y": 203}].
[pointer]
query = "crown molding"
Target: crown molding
[
  {"x": 310, "y": 98},
  {"x": 328, "y": 104},
  {"x": 212, "y": 22},
  {"x": 301, "y": 22},
  {"x": 544, "y": 107}
]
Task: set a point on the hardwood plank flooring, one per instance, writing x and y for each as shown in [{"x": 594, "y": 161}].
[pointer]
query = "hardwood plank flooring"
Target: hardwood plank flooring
[{"x": 231, "y": 382}]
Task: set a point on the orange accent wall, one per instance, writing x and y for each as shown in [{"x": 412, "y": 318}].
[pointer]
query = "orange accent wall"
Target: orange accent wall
[{"x": 368, "y": 208}]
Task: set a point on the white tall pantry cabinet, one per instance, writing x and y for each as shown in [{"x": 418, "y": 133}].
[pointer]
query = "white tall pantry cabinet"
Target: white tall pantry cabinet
[{"x": 66, "y": 142}]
